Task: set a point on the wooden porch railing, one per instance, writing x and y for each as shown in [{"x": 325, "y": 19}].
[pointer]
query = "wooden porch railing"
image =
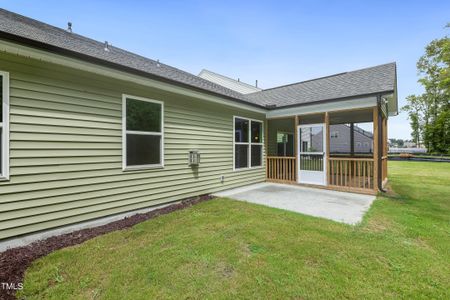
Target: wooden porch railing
[
  {"x": 351, "y": 173},
  {"x": 281, "y": 169}
]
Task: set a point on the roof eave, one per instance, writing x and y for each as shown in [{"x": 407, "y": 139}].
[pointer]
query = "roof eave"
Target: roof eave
[
  {"x": 333, "y": 100},
  {"x": 72, "y": 54}
]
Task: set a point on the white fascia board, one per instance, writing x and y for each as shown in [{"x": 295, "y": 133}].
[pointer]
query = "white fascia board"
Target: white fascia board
[
  {"x": 323, "y": 107},
  {"x": 110, "y": 72}
]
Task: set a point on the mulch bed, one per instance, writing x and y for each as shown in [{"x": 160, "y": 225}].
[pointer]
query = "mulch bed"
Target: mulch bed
[{"x": 14, "y": 262}]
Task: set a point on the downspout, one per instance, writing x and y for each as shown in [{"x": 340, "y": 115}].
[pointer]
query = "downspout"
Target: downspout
[{"x": 380, "y": 145}]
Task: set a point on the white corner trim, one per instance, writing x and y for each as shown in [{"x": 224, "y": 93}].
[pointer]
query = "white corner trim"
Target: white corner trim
[{"x": 4, "y": 171}]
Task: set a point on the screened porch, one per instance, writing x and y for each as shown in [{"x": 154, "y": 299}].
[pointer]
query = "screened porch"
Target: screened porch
[{"x": 342, "y": 150}]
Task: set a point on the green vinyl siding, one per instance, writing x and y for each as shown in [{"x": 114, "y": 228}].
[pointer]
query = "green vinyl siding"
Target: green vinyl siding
[{"x": 66, "y": 148}]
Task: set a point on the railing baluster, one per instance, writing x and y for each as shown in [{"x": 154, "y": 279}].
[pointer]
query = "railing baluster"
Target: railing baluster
[
  {"x": 346, "y": 170},
  {"x": 359, "y": 173},
  {"x": 351, "y": 173},
  {"x": 293, "y": 169},
  {"x": 286, "y": 174},
  {"x": 364, "y": 175}
]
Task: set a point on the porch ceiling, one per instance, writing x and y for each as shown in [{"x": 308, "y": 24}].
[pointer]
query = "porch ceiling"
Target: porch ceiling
[{"x": 352, "y": 116}]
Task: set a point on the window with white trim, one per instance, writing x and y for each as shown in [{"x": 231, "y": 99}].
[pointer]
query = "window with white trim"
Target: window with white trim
[
  {"x": 4, "y": 125},
  {"x": 143, "y": 132},
  {"x": 248, "y": 144}
]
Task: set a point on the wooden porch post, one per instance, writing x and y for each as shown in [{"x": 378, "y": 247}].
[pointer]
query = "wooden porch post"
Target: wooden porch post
[
  {"x": 266, "y": 145},
  {"x": 327, "y": 146},
  {"x": 296, "y": 146},
  {"x": 375, "y": 148},
  {"x": 386, "y": 143}
]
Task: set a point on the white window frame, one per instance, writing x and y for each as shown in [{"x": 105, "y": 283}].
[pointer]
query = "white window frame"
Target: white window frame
[
  {"x": 4, "y": 172},
  {"x": 249, "y": 144},
  {"x": 125, "y": 131}
]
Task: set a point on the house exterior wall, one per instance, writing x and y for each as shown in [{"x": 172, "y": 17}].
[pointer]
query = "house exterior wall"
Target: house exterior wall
[{"x": 66, "y": 148}]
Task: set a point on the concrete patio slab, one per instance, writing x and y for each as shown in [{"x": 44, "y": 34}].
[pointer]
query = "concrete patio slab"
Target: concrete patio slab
[{"x": 342, "y": 207}]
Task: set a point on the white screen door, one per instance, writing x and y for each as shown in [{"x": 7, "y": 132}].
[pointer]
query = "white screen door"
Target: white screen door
[{"x": 311, "y": 156}]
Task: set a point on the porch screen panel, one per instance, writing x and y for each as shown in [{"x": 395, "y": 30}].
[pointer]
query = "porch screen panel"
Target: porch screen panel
[
  {"x": 345, "y": 142},
  {"x": 351, "y": 133}
]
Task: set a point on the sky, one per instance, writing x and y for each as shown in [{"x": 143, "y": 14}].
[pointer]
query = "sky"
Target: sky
[{"x": 274, "y": 42}]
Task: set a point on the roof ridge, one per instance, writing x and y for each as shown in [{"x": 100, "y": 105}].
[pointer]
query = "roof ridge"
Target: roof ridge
[
  {"x": 324, "y": 77},
  {"x": 304, "y": 81},
  {"x": 72, "y": 33},
  {"x": 226, "y": 77},
  {"x": 40, "y": 23}
]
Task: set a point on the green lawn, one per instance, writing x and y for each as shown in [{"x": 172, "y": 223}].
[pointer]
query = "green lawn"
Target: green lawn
[{"x": 228, "y": 249}]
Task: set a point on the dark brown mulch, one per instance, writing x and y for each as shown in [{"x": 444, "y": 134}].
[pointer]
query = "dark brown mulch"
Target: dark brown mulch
[{"x": 14, "y": 262}]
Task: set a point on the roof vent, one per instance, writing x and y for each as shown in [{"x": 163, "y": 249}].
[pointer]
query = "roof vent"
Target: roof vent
[
  {"x": 157, "y": 63},
  {"x": 69, "y": 27},
  {"x": 106, "y": 46},
  {"x": 256, "y": 83}
]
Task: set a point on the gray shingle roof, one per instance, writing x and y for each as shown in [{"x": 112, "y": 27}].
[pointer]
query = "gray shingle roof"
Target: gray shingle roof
[
  {"x": 361, "y": 82},
  {"x": 378, "y": 79},
  {"x": 28, "y": 28}
]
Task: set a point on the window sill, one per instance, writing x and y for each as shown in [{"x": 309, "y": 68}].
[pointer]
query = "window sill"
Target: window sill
[
  {"x": 2, "y": 178},
  {"x": 142, "y": 168}
]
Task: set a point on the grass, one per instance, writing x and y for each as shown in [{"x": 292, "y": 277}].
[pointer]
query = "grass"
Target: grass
[{"x": 228, "y": 249}]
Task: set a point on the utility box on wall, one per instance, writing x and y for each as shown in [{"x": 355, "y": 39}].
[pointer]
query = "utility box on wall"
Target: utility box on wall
[{"x": 194, "y": 158}]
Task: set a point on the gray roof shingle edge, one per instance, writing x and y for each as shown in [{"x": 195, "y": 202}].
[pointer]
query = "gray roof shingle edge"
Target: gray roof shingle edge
[
  {"x": 27, "y": 28},
  {"x": 360, "y": 82},
  {"x": 378, "y": 79}
]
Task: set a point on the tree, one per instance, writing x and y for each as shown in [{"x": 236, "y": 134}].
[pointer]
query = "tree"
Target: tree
[
  {"x": 416, "y": 115},
  {"x": 429, "y": 113}
]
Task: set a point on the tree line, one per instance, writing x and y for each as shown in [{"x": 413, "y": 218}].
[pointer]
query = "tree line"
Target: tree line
[{"x": 429, "y": 113}]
